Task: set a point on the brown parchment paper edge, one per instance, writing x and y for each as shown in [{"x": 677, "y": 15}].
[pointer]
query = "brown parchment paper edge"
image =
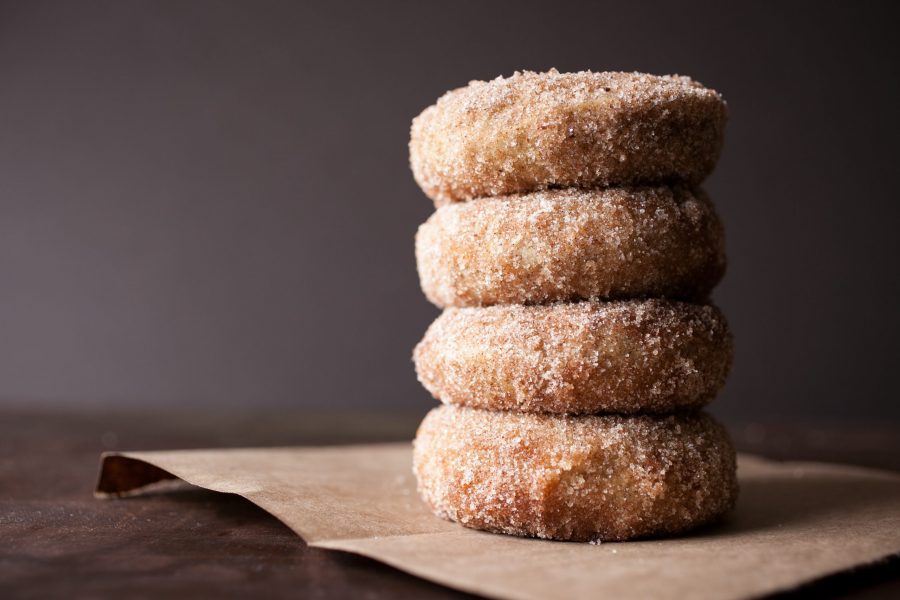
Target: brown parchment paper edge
[{"x": 146, "y": 478}]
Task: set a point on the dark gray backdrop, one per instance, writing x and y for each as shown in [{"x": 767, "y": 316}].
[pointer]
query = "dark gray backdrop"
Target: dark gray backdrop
[{"x": 209, "y": 202}]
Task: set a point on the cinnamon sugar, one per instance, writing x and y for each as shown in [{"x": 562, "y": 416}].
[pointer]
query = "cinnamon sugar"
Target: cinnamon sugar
[
  {"x": 604, "y": 477},
  {"x": 564, "y": 245},
  {"x": 532, "y": 260},
  {"x": 535, "y": 131},
  {"x": 590, "y": 357}
]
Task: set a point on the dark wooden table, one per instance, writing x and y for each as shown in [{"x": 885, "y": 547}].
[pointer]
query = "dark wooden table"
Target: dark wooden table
[{"x": 56, "y": 540}]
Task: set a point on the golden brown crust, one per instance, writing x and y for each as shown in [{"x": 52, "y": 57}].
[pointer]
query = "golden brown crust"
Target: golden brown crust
[
  {"x": 650, "y": 356},
  {"x": 536, "y": 131},
  {"x": 575, "y": 478},
  {"x": 565, "y": 245}
]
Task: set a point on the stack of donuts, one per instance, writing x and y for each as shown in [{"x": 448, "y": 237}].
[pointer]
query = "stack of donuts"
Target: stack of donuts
[{"x": 574, "y": 254}]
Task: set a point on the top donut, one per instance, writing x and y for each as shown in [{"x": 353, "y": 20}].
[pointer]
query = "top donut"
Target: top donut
[{"x": 534, "y": 131}]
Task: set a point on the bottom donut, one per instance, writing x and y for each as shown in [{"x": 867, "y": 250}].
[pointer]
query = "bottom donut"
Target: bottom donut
[{"x": 586, "y": 478}]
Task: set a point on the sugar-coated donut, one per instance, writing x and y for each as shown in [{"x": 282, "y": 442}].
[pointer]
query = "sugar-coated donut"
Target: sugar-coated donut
[
  {"x": 650, "y": 356},
  {"x": 565, "y": 245},
  {"x": 536, "y": 131},
  {"x": 575, "y": 478}
]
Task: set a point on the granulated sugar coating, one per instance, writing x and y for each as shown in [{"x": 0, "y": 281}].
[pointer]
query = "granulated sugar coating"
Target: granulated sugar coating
[
  {"x": 650, "y": 356},
  {"x": 575, "y": 478},
  {"x": 568, "y": 362},
  {"x": 536, "y": 131},
  {"x": 571, "y": 244}
]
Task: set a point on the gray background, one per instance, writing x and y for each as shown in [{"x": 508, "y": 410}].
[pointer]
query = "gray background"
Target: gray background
[{"x": 209, "y": 203}]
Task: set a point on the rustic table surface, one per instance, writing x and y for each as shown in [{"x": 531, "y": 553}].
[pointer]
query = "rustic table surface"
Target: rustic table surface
[{"x": 56, "y": 540}]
